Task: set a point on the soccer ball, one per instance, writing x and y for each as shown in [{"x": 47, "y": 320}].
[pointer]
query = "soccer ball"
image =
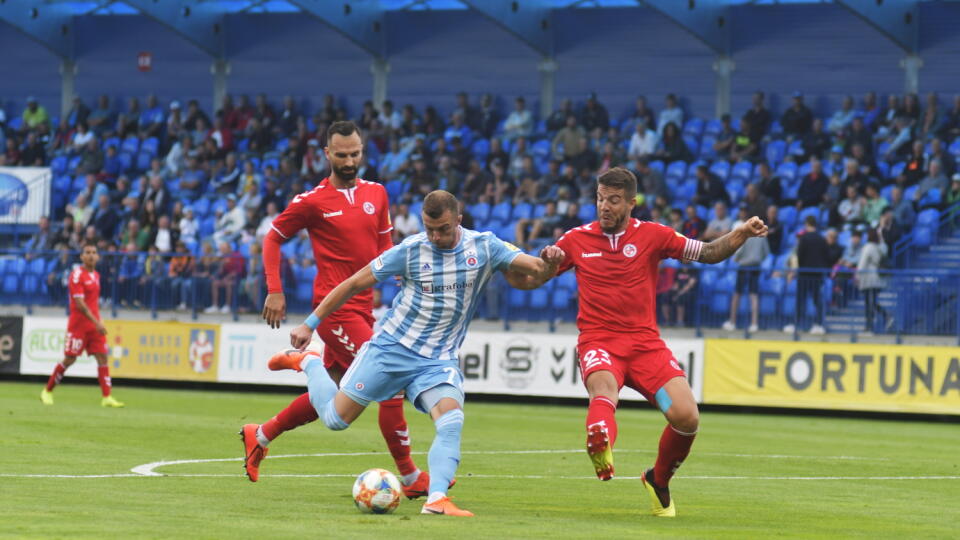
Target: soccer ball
[{"x": 377, "y": 492}]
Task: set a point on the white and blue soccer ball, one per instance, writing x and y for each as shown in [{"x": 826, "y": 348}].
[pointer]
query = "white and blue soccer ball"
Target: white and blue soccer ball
[{"x": 377, "y": 491}]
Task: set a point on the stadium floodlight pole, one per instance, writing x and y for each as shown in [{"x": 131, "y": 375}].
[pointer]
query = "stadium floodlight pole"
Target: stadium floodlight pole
[{"x": 724, "y": 67}]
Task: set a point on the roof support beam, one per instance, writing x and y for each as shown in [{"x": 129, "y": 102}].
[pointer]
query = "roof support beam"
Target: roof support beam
[
  {"x": 528, "y": 20},
  {"x": 898, "y": 20},
  {"x": 51, "y": 25},
  {"x": 362, "y": 22},
  {"x": 708, "y": 20},
  {"x": 200, "y": 23}
]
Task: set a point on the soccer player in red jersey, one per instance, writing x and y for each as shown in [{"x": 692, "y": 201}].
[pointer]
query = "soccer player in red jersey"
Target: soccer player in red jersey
[
  {"x": 616, "y": 260},
  {"x": 349, "y": 224},
  {"x": 85, "y": 330}
]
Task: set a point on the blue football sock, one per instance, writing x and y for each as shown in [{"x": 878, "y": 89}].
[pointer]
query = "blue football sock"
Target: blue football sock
[
  {"x": 319, "y": 384},
  {"x": 444, "y": 456}
]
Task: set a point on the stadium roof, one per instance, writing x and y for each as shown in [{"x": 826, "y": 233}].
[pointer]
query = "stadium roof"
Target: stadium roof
[{"x": 363, "y": 21}]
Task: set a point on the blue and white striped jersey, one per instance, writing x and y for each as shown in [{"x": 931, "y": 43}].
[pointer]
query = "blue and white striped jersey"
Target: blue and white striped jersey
[{"x": 441, "y": 289}]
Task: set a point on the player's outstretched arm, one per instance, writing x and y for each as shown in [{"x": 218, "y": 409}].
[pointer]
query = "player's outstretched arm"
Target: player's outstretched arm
[
  {"x": 528, "y": 272},
  {"x": 355, "y": 284},
  {"x": 725, "y": 246},
  {"x": 275, "y": 305}
]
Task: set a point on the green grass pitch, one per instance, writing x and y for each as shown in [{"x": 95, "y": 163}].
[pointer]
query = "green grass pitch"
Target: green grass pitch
[{"x": 523, "y": 472}]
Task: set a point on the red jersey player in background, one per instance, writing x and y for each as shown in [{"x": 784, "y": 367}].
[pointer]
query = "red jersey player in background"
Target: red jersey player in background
[
  {"x": 85, "y": 330},
  {"x": 349, "y": 224},
  {"x": 616, "y": 259}
]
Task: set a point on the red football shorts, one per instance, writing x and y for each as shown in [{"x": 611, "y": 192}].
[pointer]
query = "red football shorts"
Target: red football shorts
[
  {"x": 80, "y": 339},
  {"x": 632, "y": 361},
  {"x": 343, "y": 334}
]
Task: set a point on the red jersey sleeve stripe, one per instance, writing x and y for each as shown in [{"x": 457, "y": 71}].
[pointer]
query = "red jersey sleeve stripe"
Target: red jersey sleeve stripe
[
  {"x": 386, "y": 231},
  {"x": 280, "y": 233},
  {"x": 691, "y": 249}
]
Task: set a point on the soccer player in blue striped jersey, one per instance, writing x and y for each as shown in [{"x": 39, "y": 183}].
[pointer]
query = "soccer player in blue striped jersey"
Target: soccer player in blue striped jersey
[{"x": 444, "y": 271}]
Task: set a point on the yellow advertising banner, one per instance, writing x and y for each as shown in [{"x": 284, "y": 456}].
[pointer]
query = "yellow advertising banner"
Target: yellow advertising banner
[
  {"x": 162, "y": 350},
  {"x": 870, "y": 377}
]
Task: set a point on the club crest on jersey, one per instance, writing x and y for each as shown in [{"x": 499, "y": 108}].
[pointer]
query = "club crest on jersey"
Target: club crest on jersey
[
  {"x": 369, "y": 208},
  {"x": 472, "y": 260},
  {"x": 630, "y": 250}
]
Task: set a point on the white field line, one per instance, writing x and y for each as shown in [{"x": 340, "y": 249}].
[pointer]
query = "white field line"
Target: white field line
[{"x": 149, "y": 469}]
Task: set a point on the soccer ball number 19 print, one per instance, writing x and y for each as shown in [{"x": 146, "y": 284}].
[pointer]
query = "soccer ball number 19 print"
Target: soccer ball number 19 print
[{"x": 377, "y": 491}]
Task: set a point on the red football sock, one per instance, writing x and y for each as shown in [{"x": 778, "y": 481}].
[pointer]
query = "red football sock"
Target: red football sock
[
  {"x": 602, "y": 410},
  {"x": 56, "y": 376},
  {"x": 674, "y": 447},
  {"x": 103, "y": 375},
  {"x": 393, "y": 426},
  {"x": 299, "y": 412}
]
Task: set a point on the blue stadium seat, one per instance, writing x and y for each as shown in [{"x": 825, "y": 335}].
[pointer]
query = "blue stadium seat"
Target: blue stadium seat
[
  {"x": 657, "y": 166},
  {"x": 540, "y": 299},
  {"x": 787, "y": 171},
  {"x": 706, "y": 147},
  {"x": 692, "y": 144},
  {"x": 272, "y": 162},
  {"x": 282, "y": 144},
  {"x": 686, "y": 190},
  {"x": 480, "y": 211},
  {"x": 928, "y": 218},
  {"x": 587, "y": 213},
  {"x": 897, "y": 169},
  {"x": 201, "y": 207},
  {"x": 523, "y": 210},
  {"x": 395, "y": 188},
  {"x": 922, "y": 236},
  {"x": 207, "y": 227},
  {"x": 243, "y": 145},
  {"x": 219, "y": 205},
  {"x": 481, "y": 148},
  {"x": 151, "y": 146},
  {"x": 930, "y": 198},
  {"x": 884, "y": 169},
  {"x": 735, "y": 190},
  {"x": 73, "y": 164},
  {"x": 416, "y": 207},
  {"x": 143, "y": 161},
  {"x": 131, "y": 145},
  {"x": 776, "y": 150},
  {"x": 126, "y": 161},
  {"x": 78, "y": 183},
  {"x": 112, "y": 141},
  {"x": 713, "y": 127},
  {"x": 540, "y": 149},
  {"x": 795, "y": 148},
  {"x": 742, "y": 171},
  {"x": 721, "y": 169},
  {"x": 501, "y": 212},
  {"x": 909, "y": 192},
  {"x": 693, "y": 127},
  {"x": 887, "y": 191},
  {"x": 676, "y": 171},
  {"x": 954, "y": 148},
  {"x": 882, "y": 149},
  {"x": 58, "y": 165}
]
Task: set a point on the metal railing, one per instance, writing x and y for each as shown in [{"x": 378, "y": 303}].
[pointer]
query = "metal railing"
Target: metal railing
[{"x": 912, "y": 302}]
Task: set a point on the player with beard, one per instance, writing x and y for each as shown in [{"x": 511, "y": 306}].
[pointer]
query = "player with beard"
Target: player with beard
[
  {"x": 616, "y": 261},
  {"x": 348, "y": 220}
]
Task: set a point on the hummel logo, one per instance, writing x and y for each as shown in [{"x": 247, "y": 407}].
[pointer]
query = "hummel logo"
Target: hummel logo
[
  {"x": 588, "y": 255},
  {"x": 333, "y": 214},
  {"x": 426, "y": 267}
]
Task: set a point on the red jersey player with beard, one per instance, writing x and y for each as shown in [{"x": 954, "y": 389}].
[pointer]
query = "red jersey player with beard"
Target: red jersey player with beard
[
  {"x": 616, "y": 260},
  {"x": 348, "y": 220},
  {"x": 85, "y": 330}
]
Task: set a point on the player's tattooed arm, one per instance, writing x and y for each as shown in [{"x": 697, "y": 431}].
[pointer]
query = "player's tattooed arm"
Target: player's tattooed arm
[{"x": 722, "y": 248}]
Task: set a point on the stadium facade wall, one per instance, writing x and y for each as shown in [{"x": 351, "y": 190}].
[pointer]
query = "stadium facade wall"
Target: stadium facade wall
[
  {"x": 841, "y": 376},
  {"x": 821, "y": 49}
]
